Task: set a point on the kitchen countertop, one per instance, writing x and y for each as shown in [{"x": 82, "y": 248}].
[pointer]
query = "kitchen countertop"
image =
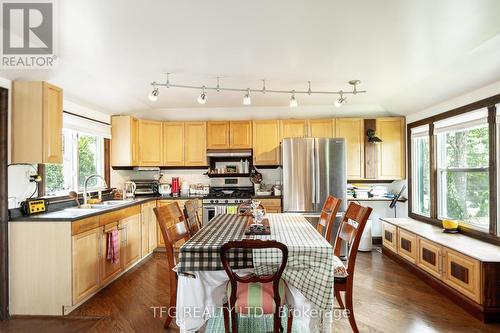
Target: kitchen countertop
[
  {"x": 469, "y": 246},
  {"x": 65, "y": 216},
  {"x": 181, "y": 197},
  {"x": 349, "y": 198},
  {"x": 266, "y": 196}
]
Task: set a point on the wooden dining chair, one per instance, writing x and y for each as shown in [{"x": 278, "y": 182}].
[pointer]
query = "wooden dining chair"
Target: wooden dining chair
[
  {"x": 193, "y": 219},
  {"x": 327, "y": 217},
  {"x": 173, "y": 228},
  {"x": 350, "y": 231},
  {"x": 254, "y": 294},
  {"x": 245, "y": 208}
]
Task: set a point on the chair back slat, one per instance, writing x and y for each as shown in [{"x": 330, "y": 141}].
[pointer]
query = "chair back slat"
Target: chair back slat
[
  {"x": 350, "y": 231},
  {"x": 327, "y": 217},
  {"x": 194, "y": 223},
  {"x": 173, "y": 228}
]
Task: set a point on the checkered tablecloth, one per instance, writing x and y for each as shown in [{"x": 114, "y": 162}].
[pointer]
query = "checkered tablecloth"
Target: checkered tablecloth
[{"x": 310, "y": 256}]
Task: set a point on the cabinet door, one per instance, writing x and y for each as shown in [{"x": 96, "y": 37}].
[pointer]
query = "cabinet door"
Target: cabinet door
[
  {"x": 240, "y": 134},
  {"x": 86, "y": 259},
  {"x": 52, "y": 123},
  {"x": 266, "y": 142},
  {"x": 195, "y": 150},
  {"x": 173, "y": 144},
  {"x": 130, "y": 240},
  {"x": 292, "y": 128},
  {"x": 389, "y": 236},
  {"x": 145, "y": 217},
  {"x": 150, "y": 143},
  {"x": 152, "y": 227},
  {"x": 134, "y": 141},
  {"x": 407, "y": 245},
  {"x": 271, "y": 205},
  {"x": 109, "y": 269},
  {"x": 462, "y": 273},
  {"x": 321, "y": 128},
  {"x": 217, "y": 134},
  {"x": 392, "y": 148},
  {"x": 429, "y": 257},
  {"x": 352, "y": 130}
]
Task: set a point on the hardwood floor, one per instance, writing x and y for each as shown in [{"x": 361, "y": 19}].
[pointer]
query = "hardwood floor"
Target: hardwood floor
[{"x": 387, "y": 298}]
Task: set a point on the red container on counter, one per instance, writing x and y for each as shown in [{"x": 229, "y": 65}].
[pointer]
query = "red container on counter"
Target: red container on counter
[{"x": 176, "y": 188}]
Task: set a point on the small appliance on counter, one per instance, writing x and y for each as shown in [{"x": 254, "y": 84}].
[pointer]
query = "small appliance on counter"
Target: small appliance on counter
[
  {"x": 129, "y": 190},
  {"x": 175, "y": 186},
  {"x": 146, "y": 187},
  {"x": 164, "y": 189},
  {"x": 33, "y": 206},
  {"x": 184, "y": 188}
]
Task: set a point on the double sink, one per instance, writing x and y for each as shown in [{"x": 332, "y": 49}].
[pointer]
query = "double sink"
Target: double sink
[{"x": 90, "y": 208}]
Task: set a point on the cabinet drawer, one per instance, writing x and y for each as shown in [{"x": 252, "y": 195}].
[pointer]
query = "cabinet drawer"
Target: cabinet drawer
[
  {"x": 118, "y": 215},
  {"x": 84, "y": 225},
  {"x": 407, "y": 245},
  {"x": 462, "y": 273},
  {"x": 389, "y": 237},
  {"x": 429, "y": 257}
]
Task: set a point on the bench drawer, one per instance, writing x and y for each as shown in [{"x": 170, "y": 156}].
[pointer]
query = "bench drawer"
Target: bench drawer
[
  {"x": 462, "y": 273},
  {"x": 429, "y": 257},
  {"x": 407, "y": 245},
  {"x": 389, "y": 236}
]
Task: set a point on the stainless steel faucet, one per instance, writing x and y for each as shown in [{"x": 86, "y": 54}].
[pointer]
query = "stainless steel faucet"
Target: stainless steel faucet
[{"x": 86, "y": 183}]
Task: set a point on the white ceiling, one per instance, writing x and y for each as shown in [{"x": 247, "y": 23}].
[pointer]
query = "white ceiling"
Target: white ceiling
[{"x": 409, "y": 54}]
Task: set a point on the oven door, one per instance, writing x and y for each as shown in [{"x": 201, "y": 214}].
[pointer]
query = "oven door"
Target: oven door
[{"x": 208, "y": 213}]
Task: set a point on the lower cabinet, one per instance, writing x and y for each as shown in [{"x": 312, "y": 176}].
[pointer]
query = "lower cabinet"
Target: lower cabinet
[
  {"x": 130, "y": 243},
  {"x": 389, "y": 236},
  {"x": 86, "y": 258},
  {"x": 148, "y": 228},
  {"x": 271, "y": 205},
  {"x": 429, "y": 257},
  {"x": 462, "y": 273},
  {"x": 109, "y": 269},
  {"x": 407, "y": 245}
]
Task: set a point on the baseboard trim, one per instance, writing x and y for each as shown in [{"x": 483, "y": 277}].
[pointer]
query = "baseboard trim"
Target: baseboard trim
[{"x": 487, "y": 315}]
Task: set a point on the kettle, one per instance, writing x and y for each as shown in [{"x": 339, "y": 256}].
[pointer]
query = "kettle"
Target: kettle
[{"x": 129, "y": 190}]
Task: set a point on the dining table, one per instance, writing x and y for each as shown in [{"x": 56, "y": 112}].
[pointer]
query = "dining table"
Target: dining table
[{"x": 308, "y": 273}]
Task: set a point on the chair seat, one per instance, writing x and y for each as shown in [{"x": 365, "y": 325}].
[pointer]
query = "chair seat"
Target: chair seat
[{"x": 256, "y": 298}]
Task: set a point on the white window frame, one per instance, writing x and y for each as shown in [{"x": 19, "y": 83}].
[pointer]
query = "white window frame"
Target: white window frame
[{"x": 417, "y": 133}]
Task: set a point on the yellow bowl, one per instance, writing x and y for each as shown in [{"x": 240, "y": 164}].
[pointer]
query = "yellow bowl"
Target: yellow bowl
[{"x": 450, "y": 224}]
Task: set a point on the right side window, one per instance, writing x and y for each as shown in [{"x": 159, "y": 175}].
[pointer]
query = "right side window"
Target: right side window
[
  {"x": 462, "y": 170},
  {"x": 420, "y": 170}
]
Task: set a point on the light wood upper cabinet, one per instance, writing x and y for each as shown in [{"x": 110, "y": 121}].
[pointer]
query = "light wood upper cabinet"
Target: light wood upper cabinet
[
  {"x": 293, "y": 128},
  {"x": 150, "y": 143},
  {"x": 352, "y": 129},
  {"x": 322, "y": 128},
  {"x": 124, "y": 141},
  {"x": 240, "y": 134},
  {"x": 391, "y": 155},
  {"x": 130, "y": 240},
  {"x": 173, "y": 144},
  {"x": 86, "y": 260},
  {"x": 266, "y": 142},
  {"x": 195, "y": 151},
  {"x": 37, "y": 111},
  {"x": 217, "y": 134}
]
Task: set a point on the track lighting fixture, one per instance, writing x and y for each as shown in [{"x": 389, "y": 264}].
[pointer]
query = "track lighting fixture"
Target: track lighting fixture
[
  {"x": 247, "y": 100},
  {"x": 293, "y": 100},
  {"x": 341, "y": 100},
  {"x": 202, "y": 99},
  {"x": 153, "y": 97}
]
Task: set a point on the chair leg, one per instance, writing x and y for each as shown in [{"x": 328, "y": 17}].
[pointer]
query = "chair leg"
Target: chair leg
[
  {"x": 234, "y": 321},
  {"x": 339, "y": 299},
  {"x": 172, "y": 300},
  {"x": 277, "y": 322},
  {"x": 289, "y": 322},
  {"x": 225, "y": 311},
  {"x": 350, "y": 313}
]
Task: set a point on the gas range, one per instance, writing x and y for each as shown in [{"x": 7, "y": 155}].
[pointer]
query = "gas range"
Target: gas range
[{"x": 228, "y": 195}]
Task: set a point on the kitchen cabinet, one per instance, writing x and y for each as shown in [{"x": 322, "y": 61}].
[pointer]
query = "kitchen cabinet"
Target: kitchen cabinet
[
  {"x": 173, "y": 144},
  {"x": 37, "y": 112},
  {"x": 352, "y": 129},
  {"x": 86, "y": 261},
  {"x": 130, "y": 248},
  {"x": 150, "y": 143},
  {"x": 124, "y": 141},
  {"x": 462, "y": 273},
  {"x": 293, "y": 128},
  {"x": 271, "y": 205},
  {"x": 240, "y": 134},
  {"x": 148, "y": 228},
  {"x": 322, "y": 128},
  {"x": 407, "y": 245},
  {"x": 429, "y": 257},
  {"x": 195, "y": 150},
  {"x": 391, "y": 157},
  {"x": 266, "y": 142},
  {"x": 217, "y": 134},
  {"x": 109, "y": 269}
]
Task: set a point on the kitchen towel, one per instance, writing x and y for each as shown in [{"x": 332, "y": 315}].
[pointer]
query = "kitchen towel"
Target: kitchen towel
[{"x": 112, "y": 246}]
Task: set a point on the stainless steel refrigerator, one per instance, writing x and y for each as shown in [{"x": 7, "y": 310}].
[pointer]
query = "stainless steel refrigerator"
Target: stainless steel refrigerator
[{"x": 313, "y": 168}]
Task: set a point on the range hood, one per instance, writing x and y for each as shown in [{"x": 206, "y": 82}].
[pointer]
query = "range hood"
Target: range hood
[
  {"x": 147, "y": 168},
  {"x": 229, "y": 152}
]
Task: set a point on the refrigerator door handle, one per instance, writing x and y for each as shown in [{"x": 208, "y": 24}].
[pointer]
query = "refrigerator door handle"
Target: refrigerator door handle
[
  {"x": 314, "y": 174},
  {"x": 317, "y": 185}
]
